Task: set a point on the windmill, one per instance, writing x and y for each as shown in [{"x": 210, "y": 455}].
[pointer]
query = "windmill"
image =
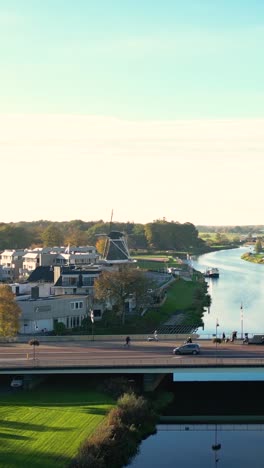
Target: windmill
[
  {"x": 115, "y": 248},
  {"x": 110, "y": 229}
]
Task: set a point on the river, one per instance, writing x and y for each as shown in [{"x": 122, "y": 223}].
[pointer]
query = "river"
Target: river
[
  {"x": 191, "y": 446},
  {"x": 238, "y": 445},
  {"x": 240, "y": 284}
]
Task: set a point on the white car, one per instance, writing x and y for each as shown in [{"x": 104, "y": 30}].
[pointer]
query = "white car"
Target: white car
[{"x": 17, "y": 381}]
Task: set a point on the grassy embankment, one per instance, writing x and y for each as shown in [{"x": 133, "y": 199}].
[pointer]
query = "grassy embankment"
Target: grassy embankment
[
  {"x": 157, "y": 262},
  {"x": 181, "y": 296},
  {"x": 253, "y": 258},
  {"x": 44, "y": 428}
]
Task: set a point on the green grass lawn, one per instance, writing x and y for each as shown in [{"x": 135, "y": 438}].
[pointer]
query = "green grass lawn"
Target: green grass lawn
[
  {"x": 148, "y": 262},
  {"x": 179, "y": 297},
  {"x": 44, "y": 428}
]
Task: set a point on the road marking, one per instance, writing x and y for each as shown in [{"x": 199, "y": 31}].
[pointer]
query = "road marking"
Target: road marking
[{"x": 13, "y": 359}]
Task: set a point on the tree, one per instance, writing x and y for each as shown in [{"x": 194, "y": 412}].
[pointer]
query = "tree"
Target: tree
[
  {"x": 75, "y": 237},
  {"x": 119, "y": 285},
  {"x": 52, "y": 236},
  {"x": 164, "y": 235},
  {"x": 100, "y": 245},
  {"x": 14, "y": 237},
  {"x": 93, "y": 231},
  {"x": 258, "y": 246},
  {"x": 9, "y": 312},
  {"x": 137, "y": 238}
]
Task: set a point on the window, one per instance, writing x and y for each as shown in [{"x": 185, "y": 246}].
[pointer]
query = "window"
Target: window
[
  {"x": 88, "y": 281},
  {"x": 77, "y": 305}
]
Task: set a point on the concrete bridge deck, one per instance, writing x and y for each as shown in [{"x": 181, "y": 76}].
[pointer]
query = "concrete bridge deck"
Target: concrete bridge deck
[{"x": 114, "y": 357}]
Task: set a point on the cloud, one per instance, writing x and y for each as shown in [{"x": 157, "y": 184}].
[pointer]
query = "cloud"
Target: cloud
[{"x": 108, "y": 136}]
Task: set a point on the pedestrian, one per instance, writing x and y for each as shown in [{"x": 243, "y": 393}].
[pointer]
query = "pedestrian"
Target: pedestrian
[
  {"x": 223, "y": 336},
  {"x": 234, "y": 336},
  {"x": 246, "y": 338},
  {"x": 155, "y": 335},
  {"x": 127, "y": 341}
]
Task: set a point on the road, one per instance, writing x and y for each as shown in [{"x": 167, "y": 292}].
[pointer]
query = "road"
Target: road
[{"x": 115, "y": 354}]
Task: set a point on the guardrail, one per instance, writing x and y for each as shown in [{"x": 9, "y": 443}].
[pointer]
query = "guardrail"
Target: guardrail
[
  {"x": 138, "y": 365},
  {"x": 171, "y": 337},
  {"x": 76, "y": 338}
]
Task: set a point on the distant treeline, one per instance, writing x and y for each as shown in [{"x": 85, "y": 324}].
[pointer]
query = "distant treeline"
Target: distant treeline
[
  {"x": 158, "y": 235},
  {"x": 246, "y": 230}
]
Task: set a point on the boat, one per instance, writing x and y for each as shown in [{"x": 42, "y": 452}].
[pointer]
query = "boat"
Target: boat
[{"x": 211, "y": 273}]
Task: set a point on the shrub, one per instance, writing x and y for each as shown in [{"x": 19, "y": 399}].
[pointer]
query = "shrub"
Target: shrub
[
  {"x": 116, "y": 440},
  {"x": 116, "y": 386},
  {"x": 136, "y": 410},
  {"x": 33, "y": 342},
  {"x": 59, "y": 328},
  {"x": 89, "y": 461}
]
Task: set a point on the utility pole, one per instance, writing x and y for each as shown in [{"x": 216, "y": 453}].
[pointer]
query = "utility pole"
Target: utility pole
[
  {"x": 216, "y": 326},
  {"x": 241, "y": 319}
]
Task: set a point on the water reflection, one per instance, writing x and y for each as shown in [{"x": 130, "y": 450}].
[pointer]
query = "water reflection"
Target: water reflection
[
  {"x": 216, "y": 447},
  {"x": 240, "y": 282},
  {"x": 203, "y": 445}
]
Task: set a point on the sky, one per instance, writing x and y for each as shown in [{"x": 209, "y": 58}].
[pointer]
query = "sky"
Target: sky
[{"x": 154, "y": 109}]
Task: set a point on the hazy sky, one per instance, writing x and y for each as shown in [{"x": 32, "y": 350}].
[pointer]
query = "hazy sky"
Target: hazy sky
[{"x": 152, "y": 108}]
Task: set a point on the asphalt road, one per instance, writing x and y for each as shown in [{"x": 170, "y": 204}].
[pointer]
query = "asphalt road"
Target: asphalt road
[{"x": 115, "y": 354}]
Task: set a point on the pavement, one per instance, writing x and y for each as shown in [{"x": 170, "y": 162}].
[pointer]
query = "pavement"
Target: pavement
[{"x": 116, "y": 354}]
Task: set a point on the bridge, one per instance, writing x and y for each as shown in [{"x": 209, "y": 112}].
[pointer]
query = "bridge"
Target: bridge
[
  {"x": 154, "y": 360},
  {"x": 92, "y": 355}
]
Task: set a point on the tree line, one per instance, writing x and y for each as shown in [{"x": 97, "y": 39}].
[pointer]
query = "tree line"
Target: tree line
[
  {"x": 245, "y": 229},
  {"x": 158, "y": 235}
]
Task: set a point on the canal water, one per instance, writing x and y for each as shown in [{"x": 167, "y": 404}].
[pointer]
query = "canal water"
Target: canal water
[
  {"x": 222, "y": 445},
  {"x": 206, "y": 446},
  {"x": 240, "y": 284}
]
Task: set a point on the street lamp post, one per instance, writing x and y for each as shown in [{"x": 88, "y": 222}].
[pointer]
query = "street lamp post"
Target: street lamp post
[
  {"x": 35, "y": 330},
  {"x": 241, "y": 319},
  {"x": 92, "y": 320},
  {"x": 216, "y": 326}
]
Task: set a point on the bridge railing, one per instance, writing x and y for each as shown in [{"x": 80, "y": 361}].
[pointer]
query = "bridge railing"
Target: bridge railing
[{"x": 166, "y": 364}]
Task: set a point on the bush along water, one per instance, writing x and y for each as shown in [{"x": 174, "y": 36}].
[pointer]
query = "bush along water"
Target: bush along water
[{"x": 117, "y": 439}]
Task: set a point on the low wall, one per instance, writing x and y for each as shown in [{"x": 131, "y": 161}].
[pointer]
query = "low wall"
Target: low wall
[{"x": 82, "y": 338}]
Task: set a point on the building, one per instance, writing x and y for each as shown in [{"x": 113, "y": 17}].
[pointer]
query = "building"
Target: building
[
  {"x": 11, "y": 261},
  {"x": 61, "y": 256},
  {"x": 41, "y": 314},
  {"x": 55, "y": 283},
  {"x": 69, "y": 280}
]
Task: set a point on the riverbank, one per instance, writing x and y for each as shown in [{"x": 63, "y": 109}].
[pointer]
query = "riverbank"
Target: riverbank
[
  {"x": 184, "y": 299},
  {"x": 253, "y": 258}
]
